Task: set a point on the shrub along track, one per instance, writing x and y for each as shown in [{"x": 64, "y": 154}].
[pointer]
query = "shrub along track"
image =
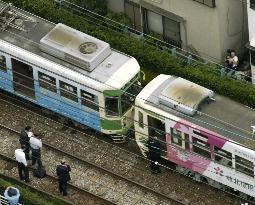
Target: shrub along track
[
  {"x": 87, "y": 176},
  {"x": 48, "y": 184},
  {"x": 110, "y": 157}
]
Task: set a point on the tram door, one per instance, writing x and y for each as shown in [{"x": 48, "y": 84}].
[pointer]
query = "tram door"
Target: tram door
[
  {"x": 23, "y": 81},
  {"x": 157, "y": 128}
]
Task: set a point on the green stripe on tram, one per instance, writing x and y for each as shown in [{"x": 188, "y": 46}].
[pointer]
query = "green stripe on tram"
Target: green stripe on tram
[
  {"x": 111, "y": 124},
  {"x": 113, "y": 93}
]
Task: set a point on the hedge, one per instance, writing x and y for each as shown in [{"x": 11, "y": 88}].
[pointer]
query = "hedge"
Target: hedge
[
  {"x": 28, "y": 195},
  {"x": 152, "y": 60}
]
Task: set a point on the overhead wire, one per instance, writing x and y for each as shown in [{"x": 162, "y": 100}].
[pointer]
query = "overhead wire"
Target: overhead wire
[
  {"x": 159, "y": 40},
  {"x": 22, "y": 37},
  {"x": 19, "y": 36},
  {"x": 114, "y": 156}
]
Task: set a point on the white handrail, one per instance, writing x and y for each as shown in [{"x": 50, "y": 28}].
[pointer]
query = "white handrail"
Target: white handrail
[{"x": 4, "y": 201}]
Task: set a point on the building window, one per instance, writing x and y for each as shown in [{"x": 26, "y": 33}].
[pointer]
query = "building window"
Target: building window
[
  {"x": 252, "y": 4},
  {"x": 252, "y": 56},
  {"x": 171, "y": 31},
  {"x": 132, "y": 10},
  {"x": 3, "y": 63},
  {"x": 245, "y": 166},
  {"x": 210, "y": 3},
  {"x": 140, "y": 118},
  {"x": 47, "y": 82},
  {"x": 68, "y": 91},
  {"x": 89, "y": 100}
]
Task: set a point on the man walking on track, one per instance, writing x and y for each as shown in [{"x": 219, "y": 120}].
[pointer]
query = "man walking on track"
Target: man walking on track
[
  {"x": 22, "y": 164},
  {"x": 154, "y": 154},
  {"x": 36, "y": 146},
  {"x": 63, "y": 172},
  {"x": 24, "y": 139}
]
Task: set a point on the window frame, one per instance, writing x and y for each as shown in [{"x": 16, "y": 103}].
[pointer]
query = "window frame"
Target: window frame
[
  {"x": 177, "y": 136},
  {"x": 252, "y": 54},
  {"x": 226, "y": 157},
  {"x": 184, "y": 137},
  {"x": 203, "y": 149},
  {"x": 140, "y": 119},
  {"x": 41, "y": 85},
  {"x": 243, "y": 165},
  {"x": 252, "y": 4},
  {"x": 67, "y": 93},
  {"x": 3, "y": 66},
  {"x": 204, "y": 2},
  {"x": 106, "y": 110},
  {"x": 90, "y": 102}
]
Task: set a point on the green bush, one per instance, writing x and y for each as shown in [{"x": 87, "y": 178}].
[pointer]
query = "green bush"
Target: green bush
[
  {"x": 97, "y": 6},
  {"x": 152, "y": 60},
  {"x": 28, "y": 195}
]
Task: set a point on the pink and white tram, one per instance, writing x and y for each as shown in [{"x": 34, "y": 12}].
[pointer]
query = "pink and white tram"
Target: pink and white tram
[{"x": 206, "y": 135}]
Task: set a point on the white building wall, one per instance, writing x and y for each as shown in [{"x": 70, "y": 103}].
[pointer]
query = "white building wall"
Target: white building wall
[
  {"x": 209, "y": 31},
  {"x": 251, "y": 22},
  {"x": 251, "y": 26}
]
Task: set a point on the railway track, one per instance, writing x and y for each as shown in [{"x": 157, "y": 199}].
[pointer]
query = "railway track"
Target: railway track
[
  {"x": 49, "y": 184},
  {"x": 87, "y": 176},
  {"x": 122, "y": 162}
]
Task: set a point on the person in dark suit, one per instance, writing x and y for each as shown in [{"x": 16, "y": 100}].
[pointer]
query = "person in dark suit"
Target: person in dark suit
[
  {"x": 154, "y": 154},
  {"x": 63, "y": 172},
  {"x": 24, "y": 140}
]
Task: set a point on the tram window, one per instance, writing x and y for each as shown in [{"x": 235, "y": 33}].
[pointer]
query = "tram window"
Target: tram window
[
  {"x": 112, "y": 106},
  {"x": 3, "y": 63},
  {"x": 176, "y": 137},
  {"x": 202, "y": 148},
  {"x": 47, "y": 82},
  {"x": 89, "y": 100},
  {"x": 201, "y": 136},
  {"x": 245, "y": 166},
  {"x": 140, "y": 118},
  {"x": 223, "y": 157},
  {"x": 68, "y": 91}
]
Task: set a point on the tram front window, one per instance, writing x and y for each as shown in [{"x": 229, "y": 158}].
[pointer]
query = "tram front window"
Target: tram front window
[
  {"x": 112, "y": 106},
  {"x": 128, "y": 98}
]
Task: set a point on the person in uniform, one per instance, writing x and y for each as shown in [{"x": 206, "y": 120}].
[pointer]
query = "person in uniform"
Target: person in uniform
[
  {"x": 63, "y": 172},
  {"x": 154, "y": 154},
  {"x": 24, "y": 140},
  {"x": 22, "y": 163}
]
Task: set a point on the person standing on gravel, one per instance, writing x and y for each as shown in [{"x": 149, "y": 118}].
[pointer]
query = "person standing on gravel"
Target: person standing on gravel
[
  {"x": 63, "y": 172},
  {"x": 22, "y": 163},
  {"x": 154, "y": 154},
  {"x": 36, "y": 146},
  {"x": 24, "y": 139}
]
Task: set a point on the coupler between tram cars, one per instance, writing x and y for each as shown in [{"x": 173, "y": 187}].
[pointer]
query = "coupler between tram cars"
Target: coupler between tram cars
[{"x": 129, "y": 136}]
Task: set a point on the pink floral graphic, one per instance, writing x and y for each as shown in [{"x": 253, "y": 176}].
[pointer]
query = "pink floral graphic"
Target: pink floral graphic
[{"x": 218, "y": 171}]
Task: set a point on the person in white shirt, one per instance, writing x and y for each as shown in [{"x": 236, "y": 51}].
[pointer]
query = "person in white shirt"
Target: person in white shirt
[
  {"x": 233, "y": 60},
  {"x": 22, "y": 163},
  {"x": 36, "y": 146}
]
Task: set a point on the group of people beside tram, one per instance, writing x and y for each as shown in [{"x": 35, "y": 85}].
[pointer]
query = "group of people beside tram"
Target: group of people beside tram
[{"x": 30, "y": 149}]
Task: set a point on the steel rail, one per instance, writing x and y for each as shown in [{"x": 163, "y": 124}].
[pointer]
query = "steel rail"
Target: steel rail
[
  {"x": 163, "y": 196},
  {"x": 10, "y": 159}
]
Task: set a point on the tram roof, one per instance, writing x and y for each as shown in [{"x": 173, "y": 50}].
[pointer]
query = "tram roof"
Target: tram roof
[
  {"x": 221, "y": 115},
  {"x": 25, "y": 30}
]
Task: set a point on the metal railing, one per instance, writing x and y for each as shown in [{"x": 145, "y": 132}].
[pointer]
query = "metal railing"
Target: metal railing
[
  {"x": 4, "y": 201},
  {"x": 188, "y": 58}
]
